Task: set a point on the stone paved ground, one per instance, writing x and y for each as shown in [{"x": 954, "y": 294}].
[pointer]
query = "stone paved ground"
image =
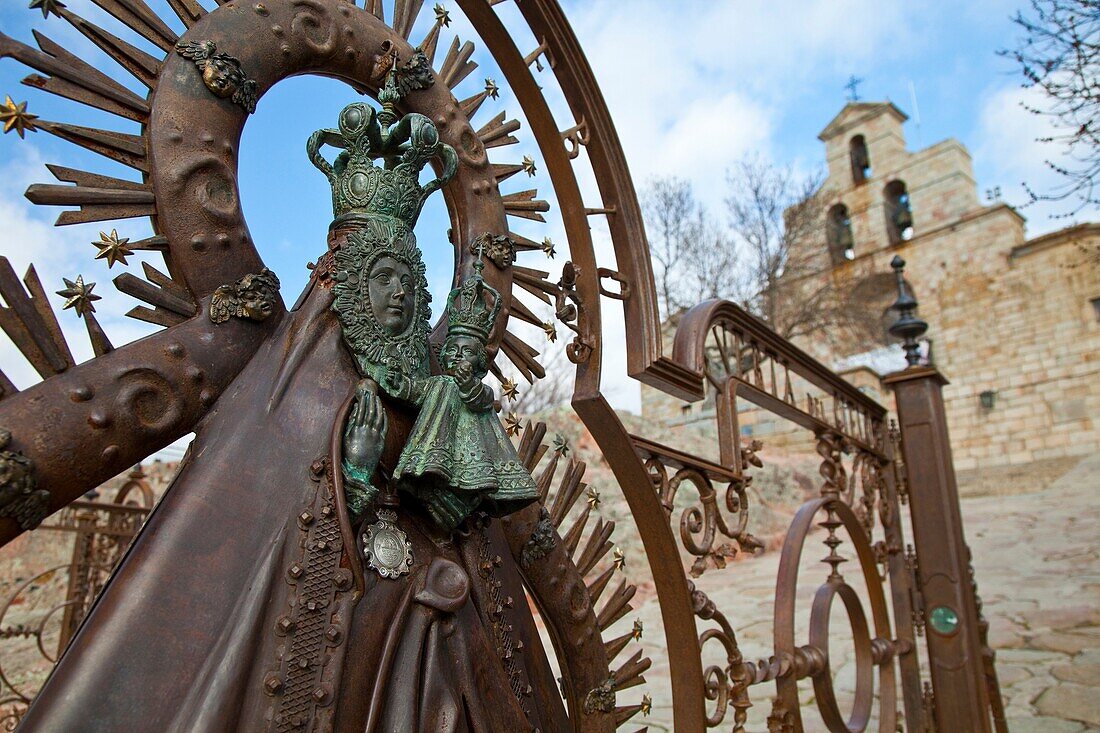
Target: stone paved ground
[{"x": 1036, "y": 559}]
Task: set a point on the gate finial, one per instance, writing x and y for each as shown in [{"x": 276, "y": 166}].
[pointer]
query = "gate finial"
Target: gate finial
[{"x": 907, "y": 327}]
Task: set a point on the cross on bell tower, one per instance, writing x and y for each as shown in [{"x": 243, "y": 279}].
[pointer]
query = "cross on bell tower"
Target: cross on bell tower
[{"x": 853, "y": 88}]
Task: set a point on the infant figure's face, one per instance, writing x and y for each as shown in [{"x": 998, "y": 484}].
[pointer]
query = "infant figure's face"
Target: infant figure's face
[{"x": 461, "y": 349}]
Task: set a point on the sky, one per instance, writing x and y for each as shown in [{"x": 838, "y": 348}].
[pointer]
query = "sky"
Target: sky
[{"x": 693, "y": 86}]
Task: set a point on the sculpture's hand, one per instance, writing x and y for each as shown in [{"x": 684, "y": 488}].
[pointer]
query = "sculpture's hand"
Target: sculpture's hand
[
  {"x": 464, "y": 377},
  {"x": 366, "y": 431}
]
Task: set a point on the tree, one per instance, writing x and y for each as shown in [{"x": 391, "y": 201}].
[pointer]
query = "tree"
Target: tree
[
  {"x": 767, "y": 259},
  {"x": 695, "y": 260},
  {"x": 1059, "y": 55}
]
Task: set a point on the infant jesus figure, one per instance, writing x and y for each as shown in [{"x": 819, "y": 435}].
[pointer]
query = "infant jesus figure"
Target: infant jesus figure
[{"x": 458, "y": 457}]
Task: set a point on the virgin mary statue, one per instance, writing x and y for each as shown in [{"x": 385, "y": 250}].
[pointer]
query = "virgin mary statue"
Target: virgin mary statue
[{"x": 284, "y": 583}]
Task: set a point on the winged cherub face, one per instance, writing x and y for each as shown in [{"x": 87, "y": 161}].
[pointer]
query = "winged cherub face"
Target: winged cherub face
[{"x": 222, "y": 75}]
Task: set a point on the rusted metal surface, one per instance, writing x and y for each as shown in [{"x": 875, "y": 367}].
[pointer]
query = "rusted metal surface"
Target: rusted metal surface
[{"x": 279, "y": 516}]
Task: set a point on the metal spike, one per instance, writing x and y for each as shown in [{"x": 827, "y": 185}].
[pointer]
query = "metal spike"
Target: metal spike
[
  {"x": 598, "y": 545},
  {"x": 100, "y": 198},
  {"x": 471, "y": 105},
  {"x": 617, "y": 606},
  {"x": 522, "y": 312},
  {"x": 374, "y": 7},
  {"x": 30, "y": 323},
  {"x": 535, "y": 282},
  {"x": 523, "y": 244},
  {"x": 144, "y": 67},
  {"x": 404, "y": 16},
  {"x": 630, "y": 674},
  {"x": 615, "y": 646},
  {"x": 189, "y": 11},
  {"x": 73, "y": 78},
  {"x": 524, "y": 204},
  {"x": 523, "y": 356},
  {"x": 504, "y": 171},
  {"x": 126, "y": 149},
  {"x": 456, "y": 64},
  {"x": 497, "y": 132},
  {"x": 139, "y": 18},
  {"x": 598, "y": 584},
  {"x": 572, "y": 538},
  {"x": 172, "y": 303}
]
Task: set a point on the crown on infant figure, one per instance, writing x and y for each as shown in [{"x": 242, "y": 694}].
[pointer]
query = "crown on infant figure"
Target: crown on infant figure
[
  {"x": 362, "y": 189},
  {"x": 473, "y": 306}
]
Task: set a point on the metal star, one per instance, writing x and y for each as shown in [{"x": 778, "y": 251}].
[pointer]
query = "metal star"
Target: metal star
[
  {"x": 593, "y": 497},
  {"x": 508, "y": 389},
  {"x": 78, "y": 295},
  {"x": 550, "y": 331},
  {"x": 113, "y": 248},
  {"x": 442, "y": 16},
  {"x": 561, "y": 445},
  {"x": 636, "y": 633},
  {"x": 47, "y": 7},
  {"x": 529, "y": 166},
  {"x": 619, "y": 559},
  {"x": 548, "y": 247},
  {"x": 512, "y": 424},
  {"x": 647, "y": 704},
  {"x": 491, "y": 88},
  {"x": 15, "y": 117}
]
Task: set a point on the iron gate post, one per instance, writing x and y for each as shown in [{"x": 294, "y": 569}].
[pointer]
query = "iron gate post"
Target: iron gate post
[{"x": 961, "y": 701}]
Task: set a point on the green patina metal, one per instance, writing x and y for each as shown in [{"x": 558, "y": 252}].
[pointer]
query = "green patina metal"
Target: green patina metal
[{"x": 458, "y": 457}]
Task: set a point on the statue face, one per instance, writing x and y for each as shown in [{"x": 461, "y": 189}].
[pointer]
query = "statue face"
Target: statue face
[
  {"x": 220, "y": 77},
  {"x": 460, "y": 349},
  {"x": 392, "y": 295}
]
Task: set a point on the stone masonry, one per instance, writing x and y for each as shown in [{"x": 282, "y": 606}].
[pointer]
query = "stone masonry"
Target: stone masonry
[{"x": 1016, "y": 319}]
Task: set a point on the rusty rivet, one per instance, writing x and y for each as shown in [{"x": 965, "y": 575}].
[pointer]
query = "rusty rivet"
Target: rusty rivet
[
  {"x": 260, "y": 9},
  {"x": 508, "y": 602},
  {"x": 305, "y": 518},
  {"x": 319, "y": 695},
  {"x": 298, "y": 721},
  {"x": 326, "y": 510},
  {"x": 194, "y": 373},
  {"x": 81, "y": 394},
  {"x": 284, "y": 625},
  {"x": 272, "y": 684},
  {"x": 175, "y": 349},
  {"x": 110, "y": 453},
  {"x": 207, "y": 397},
  {"x": 322, "y": 545},
  {"x": 99, "y": 420},
  {"x": 343, "y": 579},
  {"x": 311, "y": 605},
  {"x": 295, "y": 571},
  {"x": 303, "y": 663},
  {"x": 332, "y": 634},
  {"x": 317, "y": 468}
]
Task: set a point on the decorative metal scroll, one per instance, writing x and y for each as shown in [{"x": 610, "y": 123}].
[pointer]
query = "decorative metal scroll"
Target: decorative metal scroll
[{"x": 101, "y": 530}]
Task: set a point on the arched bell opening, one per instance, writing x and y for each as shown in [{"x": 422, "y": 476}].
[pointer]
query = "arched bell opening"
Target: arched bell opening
[{"x": 839, "y": 235}]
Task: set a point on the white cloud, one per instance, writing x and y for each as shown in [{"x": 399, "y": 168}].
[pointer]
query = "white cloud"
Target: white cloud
[{"x": 1009, "y": 154}]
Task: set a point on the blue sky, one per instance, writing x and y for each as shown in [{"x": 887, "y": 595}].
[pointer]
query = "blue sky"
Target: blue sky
[{"x": 692, "y": 86}]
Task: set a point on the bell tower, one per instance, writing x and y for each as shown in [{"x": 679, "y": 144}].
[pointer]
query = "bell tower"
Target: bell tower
[{"x": 880, "y": 194}]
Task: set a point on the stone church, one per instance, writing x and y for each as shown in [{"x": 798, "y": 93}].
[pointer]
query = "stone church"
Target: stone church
[{"x": 1014, "y": 322}]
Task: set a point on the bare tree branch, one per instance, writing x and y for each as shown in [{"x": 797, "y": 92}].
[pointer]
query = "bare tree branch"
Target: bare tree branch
[{"x": 1059, "y": 54}]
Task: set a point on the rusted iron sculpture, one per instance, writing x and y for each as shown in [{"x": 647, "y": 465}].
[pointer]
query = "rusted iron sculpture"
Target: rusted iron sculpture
[{"x": 264, "y": 603}]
